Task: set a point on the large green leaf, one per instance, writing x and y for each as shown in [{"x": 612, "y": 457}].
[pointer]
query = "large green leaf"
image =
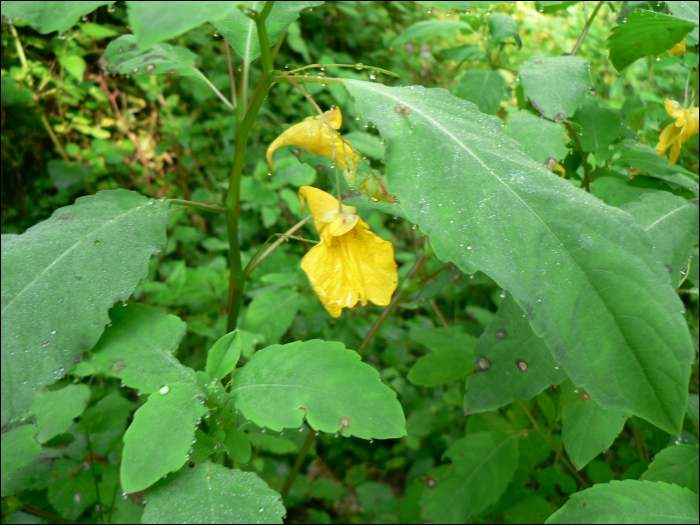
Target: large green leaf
[
  {"x": 50, "y": 16},
  {"x": 322, "y": 382},
  {"x": 599, "y": 127},
  {"x": 18, "y": 449},
  {"x": 483, "y": 465},
  {"x": 224, "y": 355},
  {"x": 159, "y": 438},
  {"x": 242, "y": 33},
  {"x": 451, "y": 357},
  {"x": 629, "y": 501},
  {"x": 587, "y": 428},
  {"x": 677, "y": 465},
  {"x": 643, "y": 33},
  {"x": 577, "y": 267},
  {"x": 687, "y": 11},
  {"x": 518, "y": 363},
  {"x": 59, "y": 279},
  {"x": 645, "y": 159},
  {"x": 123, "y": 56},
  {"x": 541, "y": 138},
  {"x": 672, "y": 225},
  {"x": 429, "y": 28},
  {"x": 139, "y": 348},
  {"x": 556, "y": 86},
  {"x": 483, "y": 88},
  {"x": 211, "y": 493},
  {"x": 56, "y": 409}
]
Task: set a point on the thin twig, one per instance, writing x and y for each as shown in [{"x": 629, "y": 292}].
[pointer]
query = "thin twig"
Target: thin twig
[
  {"x": 382, "y": 317},
  {"x": 584, "y": 156},
  {"x": 255, "y": 262},
  {"x": 231, "y": 77},
  {"x": 297, "y": 464},
  {"x": 94, "y": 476},
  {"x": 586, "y": 28}
]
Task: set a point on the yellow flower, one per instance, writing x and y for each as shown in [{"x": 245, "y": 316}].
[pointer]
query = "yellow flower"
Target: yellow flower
[
  {"x": 351, "y": 263},
  {"x": 313, "y": 135},
  {"x": 678, "y": 133},
  {"x": 678, "y": 49}
]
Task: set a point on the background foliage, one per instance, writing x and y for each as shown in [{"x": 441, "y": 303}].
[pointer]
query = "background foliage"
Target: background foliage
[{"x": 509, "y": 376}]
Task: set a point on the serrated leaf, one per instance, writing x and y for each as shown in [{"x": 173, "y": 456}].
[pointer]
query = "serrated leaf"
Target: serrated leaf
[
  {"x": 556, "y": 86},
  {"x": 502, "y": 27},
  {"x": 629, "y": 501},
  {"x": 672, "y": 224},
  {"x": 56, "y": 409},
  {"x": 272, "y": 312},
  {"x": 60, "y": 278},
  {"x": 124, "y": 56},
  {"x": 139, "y": 348},
  {"x": 322, "y": 382},
  {"x": 599, "y": 128},
  {"x": 676, "y": 464},
  {"x": 224, "y": 355},
  {"x": 242, "y": 34},
  {"x": 444, "y": 28},
  {"x": 160, "y": 436},
  {"x": 587, "y": 428},
  {"x": 643, "y": 33},
  {"x": 46, "y": 17},
  {"x": 519, "y": 363},
  {"x": 483, "y": 465},
  {"x": 18, "y": 449},
  {"x": 541, "y": 138},
  {"x": 211, "y": 493},
  {"x": 238, "y": 444},
  {"x": 560, "y": 252},
  {"x": 483, "y": 88}
]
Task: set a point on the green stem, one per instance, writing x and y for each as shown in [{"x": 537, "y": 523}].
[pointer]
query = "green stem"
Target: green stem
[
  {"x": 198, "y": 205},
  {"x": 94, "y": 476},
  {"x": 584, "y": 155},
  {"x": 265, "y": 54},
  {"x": 358, "y": 67},
  {"x": 297, "y": 464},
  {"x": 308, "y": 80},
  {"x": 586, "y": 28},
  {"x": 253, "y": 264},
  {"x": 380, "y": 320}
]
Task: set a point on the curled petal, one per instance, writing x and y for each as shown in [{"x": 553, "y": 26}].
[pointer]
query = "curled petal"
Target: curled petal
[
  {"x": 356, "y": 266},
  {"x": 313, "y": 135},
  {"x": 668, "y": 136},
  {"x": 678, "y": 49},
  {"x": 673, "y": 108},
  {"x": 326, "y": 212}
]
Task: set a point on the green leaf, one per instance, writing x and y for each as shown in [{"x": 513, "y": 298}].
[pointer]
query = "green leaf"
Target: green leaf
[
  {"x": 643, "y": 33},
  {"x": 159, "y": 438},
  {"x": 377, "y": 498},
  {"x": 552, "y": 7},
  {"x": 224, "y": 355},
  {"x": 676, "y": 464},
  {"x": 468, "y": 52},
  {"x": 450, "y": 359},
  {"x": 366, "y": 144},
  {"x": 687, "y": 11},
  {"x": 63, "y": 175},
  {"x": 123, "y": 56},
  {"x": 444, "y": 28},
  {"x": 62, "y": 495},
  {"x": 18, "y": 449},
  {"x": 211, "y": 493},
  {"x": 502, "y": 27},
  {"x": 540, "y": 138},
  {"x": 487, "y": 206},
  {"x": 599, "y": 127},
  {"x": 56, "y": 409},
  {"x": 61, "y": 276},
  {"x": 274, "y": 444},
  {"x": 556, "y": 86},
  {"x": 693, "y": 405},
  {"x": 75, "y": 65},
  {"x": 272, "y": 312},
  {"x": 456, "y": 5},
  {"x": 139, "y": 348},
  {"x": 616, "y": 189},
  {"x": 587, "y": 428},
  {"x": 483, "y": 88},
  {"x": 672, "y": 225},
  {"x": 154, "y": 22},
  {"x": 238, "y": 444},
  {"x": 518, "y": 363},
  {"x": 46, "y": 17},
  {"x": 242, "y": 34},
  {"x": 98, "y": 31},
  {"x": 645, "y": 159},
  {"x": 629, "y": 501},
  {"x": 322, "y": 382},
  {"x": 483, "y": 465},
  {"x": 109, "y": 412}
]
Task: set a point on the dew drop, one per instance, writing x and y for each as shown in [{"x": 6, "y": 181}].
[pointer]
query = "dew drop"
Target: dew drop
[{"x": 359, "y": 66}]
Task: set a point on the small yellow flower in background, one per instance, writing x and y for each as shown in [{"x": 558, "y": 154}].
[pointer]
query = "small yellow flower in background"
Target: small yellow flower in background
[
  {"x": 351, "y": 263},
  {"x": 678, "y": 49},
  {"x": 313, "y": 135},
  {"x": 678, "y": 133}
]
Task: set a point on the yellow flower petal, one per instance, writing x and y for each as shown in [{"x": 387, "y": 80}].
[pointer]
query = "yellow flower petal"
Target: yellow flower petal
[
  {"x": 313, "y": 135},
  {"x": 678, "y": 133},
  {"x": 678, "y": 49},
  {"x": 351, "y": 263}
]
